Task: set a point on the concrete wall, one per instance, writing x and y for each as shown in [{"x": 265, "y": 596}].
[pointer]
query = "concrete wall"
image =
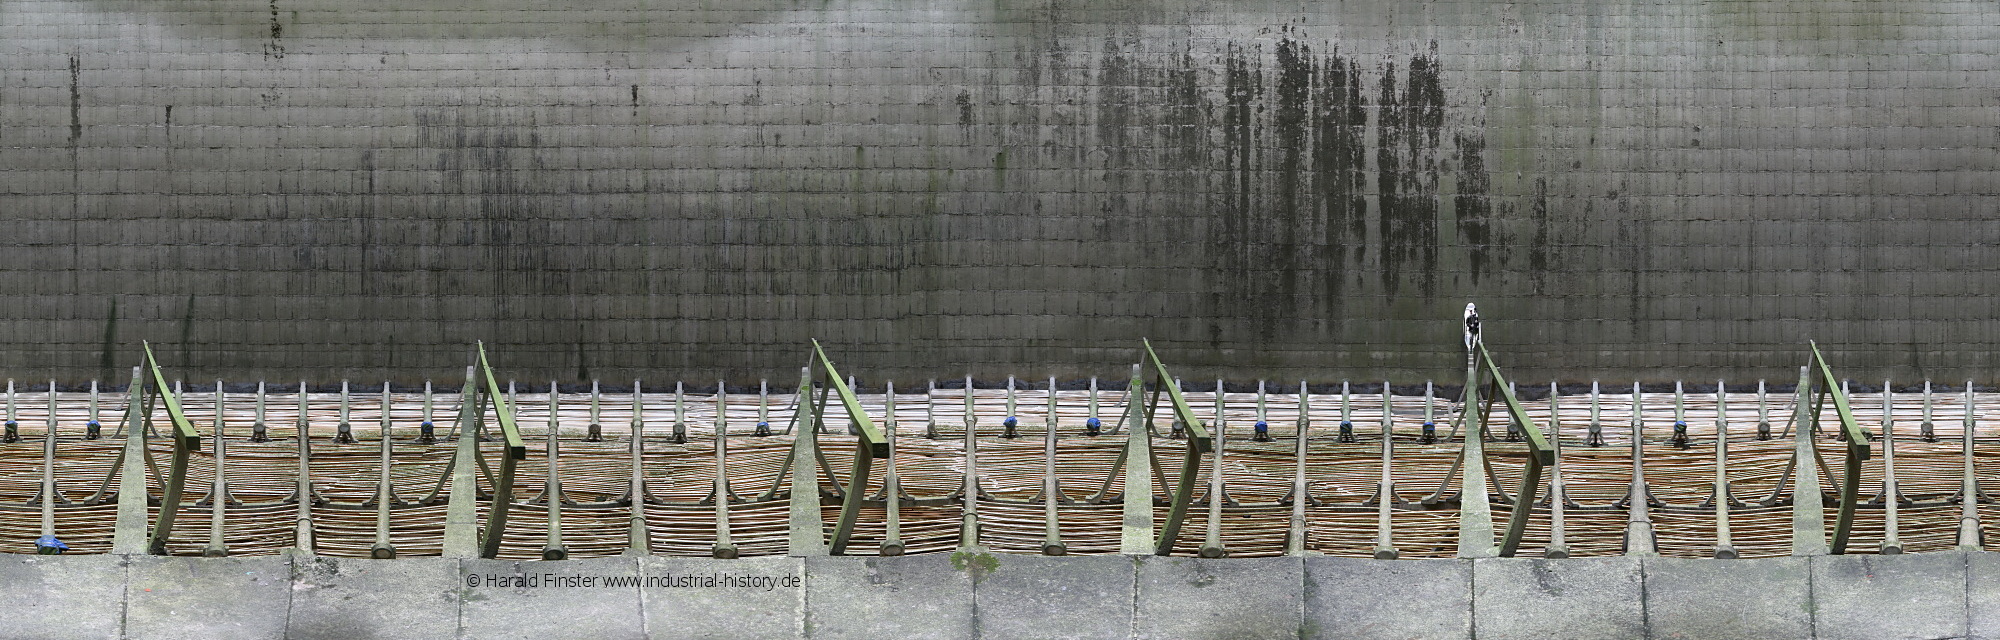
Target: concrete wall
[
  {"x": 285, "y": 188},
  {"x": 1002, "y": 596}
]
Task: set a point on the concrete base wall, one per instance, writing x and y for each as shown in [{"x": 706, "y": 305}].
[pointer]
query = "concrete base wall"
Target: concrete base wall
[{"x": 1001, "y": 596}]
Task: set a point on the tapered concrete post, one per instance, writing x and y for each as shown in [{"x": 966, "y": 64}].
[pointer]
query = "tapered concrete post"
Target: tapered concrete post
[
  {"x": 1137, "y": 538},
  {"x": 1808, "y": 505},
  {"x": 1475, "y": 513},
  {"x": 129, "y": 534},
  {"x": 808, "y": 524},
  {"x": 461, "y": 515}
]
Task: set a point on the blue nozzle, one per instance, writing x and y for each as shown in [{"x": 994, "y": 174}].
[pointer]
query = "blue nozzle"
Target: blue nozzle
[
  {"x": 1093, "y": 423},
  {"x": 1261, "y": 426},
  {"x": 1010, "y": 422},
  {"x": 763, "y": 424},
  {"x": 50, "y": 542}
]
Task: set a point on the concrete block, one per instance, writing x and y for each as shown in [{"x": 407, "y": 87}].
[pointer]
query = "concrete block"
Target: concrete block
[
  {"x": 63, "y": 596},
  {"x": 1573, "y": 599},
  {"x": 1755, "y": 599},
  {"x": 762, "y": 597},
  {"x": 534, "y": 600},
  {"x": 207, "y": 598},
  {"x": 1920, "y": 595},
  {"x": 339, "y": 598},
  {"x": 1224, "y": 598},
  {"x": 922, "y": 596},
  {"x": 1365, "y": 598},
  {"x": 1982, "y": 597},
  {"x": 1063, "y": 597}
]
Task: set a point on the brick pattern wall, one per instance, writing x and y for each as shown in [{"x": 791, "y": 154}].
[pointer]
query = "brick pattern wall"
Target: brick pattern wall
[{"x": 288, "y": 188}]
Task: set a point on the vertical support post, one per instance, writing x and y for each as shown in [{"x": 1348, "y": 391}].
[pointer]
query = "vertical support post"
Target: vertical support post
[
  {"x": 130, "y": 532},
  {"x": 1926, "y": 429},
  {"x": 1808, "y": 504},
  {"x": 1725, "y": 547},
  {"x": 385, "y": 491},
  {"x": 344, "y": 433},
  {"x": 13, "y": 431},
  {"x": 47, "y": 544},
  {"x": 892, "y": 488},
  {"x": 968, "y": 526},
  {"x": 1009, "y": 424},
  {"x": 1091, "y": 425},
  {"x": 808, "y": 527},
  {"x": 1892, "y": 495},
  {"x": 1137, "y": 531},
  {"x": 680, "y": 412},
  {"x": 725, "y": 547},
  {"x": 1763, "y": 413},
  {"x": 92, "y": 428},
  {"x": 218, "y": 493},
  {"x": 1052, "y": 544},
  {"x": 1595, "y": 437},
  {"x": 552, "y": 493},
  {"x": 1639, "y": 540},
  {"x": 763, "y": 408},
  {"x": 930, "y": 410},
  {"x": 1558, "y": 492},
  {"x": 1970, "y": 536},
  {"x": 427, "y": 431},
  {"x": 259, "y": 431},
  {"x": 1385, "y": 496},
  {"x": 638, "y": 537},
  {"x": 595, "y": 431},
  {"x": 302, "y": 534},
  {"x": 1295, "y": 537},
  {"x": 1211, "y": 545}
]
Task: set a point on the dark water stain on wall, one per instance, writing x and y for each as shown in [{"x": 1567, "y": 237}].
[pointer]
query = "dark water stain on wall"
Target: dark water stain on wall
[
  {"x": 487, "y": 199},
  {"x": 1340, "y": 165},
  {"x": 1474, "y": 208},
  {"x": 1408, "y": 135},
  {"x": 1320, "y": 174}
]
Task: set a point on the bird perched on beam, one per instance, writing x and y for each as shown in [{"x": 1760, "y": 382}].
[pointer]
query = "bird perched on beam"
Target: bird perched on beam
[{"x": 1471, "y": 326}]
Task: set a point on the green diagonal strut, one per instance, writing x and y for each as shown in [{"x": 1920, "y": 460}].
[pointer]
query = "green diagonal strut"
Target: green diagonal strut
[
  {"x": 503, "y": 486},
  {"x": 1540, "y": 454},
  {"x": 186, "y": 441},
  {"x": 871, "y": 445},
  {"x": 1857, "y": 448},
  {"x": 1199, "y": 442}
]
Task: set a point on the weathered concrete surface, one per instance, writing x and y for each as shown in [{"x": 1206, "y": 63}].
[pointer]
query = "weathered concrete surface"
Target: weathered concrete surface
[
  {"x": 922, "y": 596},
  {"x": 762, "y": 597},
  {"x": 1889, "y": 597},
  {"x": 1006, "y": 596},
  {"x": 1982, "y": 596},
  {"x": 1573, "y": 599},
  {"x": 1752, "y": 599},
  {"x": 207, "y": 598},
  {"x": 613, "y": 190},
  {"x": 535, "y": 600},
  {"x": 61, "y": 597},
  {"x": 1223, "y": 598},
  {"x": 1362, "y": 598},
  {"x": 1038, "y": 597},
  {"x": 340, "y": 598}
]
